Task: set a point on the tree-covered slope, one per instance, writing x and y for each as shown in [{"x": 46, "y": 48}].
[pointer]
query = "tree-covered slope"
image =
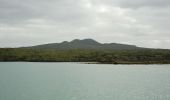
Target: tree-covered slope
[
  {"x": 87, "y": 50},
  {"x": 145, "y": 56},
  {"x": 85, "y": 44}
]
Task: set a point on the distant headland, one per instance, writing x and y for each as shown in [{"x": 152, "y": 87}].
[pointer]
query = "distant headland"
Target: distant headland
[{"x": 87, "y": 50}]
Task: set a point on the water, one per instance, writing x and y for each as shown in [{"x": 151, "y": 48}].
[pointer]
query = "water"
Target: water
[{"x": 73, "y": 81}]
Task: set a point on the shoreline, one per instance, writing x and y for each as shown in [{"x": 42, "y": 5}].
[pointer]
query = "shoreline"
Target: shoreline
[{"x": 111, "y": 63}]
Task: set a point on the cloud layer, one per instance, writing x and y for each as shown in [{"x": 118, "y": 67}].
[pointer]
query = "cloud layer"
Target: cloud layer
[{"x": 140, "y": 22}]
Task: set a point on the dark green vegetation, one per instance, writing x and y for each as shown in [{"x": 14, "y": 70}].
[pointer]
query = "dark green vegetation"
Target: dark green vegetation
[
  {"x": 85, "y": 44},
  {"x": 78, "y": 55},
  {"x": 86, "y": 50}
]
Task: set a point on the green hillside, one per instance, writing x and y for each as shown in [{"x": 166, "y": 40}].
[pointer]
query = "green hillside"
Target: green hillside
[
  {"x": 85, "y": 44},
  {"x": 86, "y": 50}
]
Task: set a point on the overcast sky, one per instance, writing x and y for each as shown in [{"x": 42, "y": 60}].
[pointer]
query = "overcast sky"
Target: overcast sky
[{"x": 143, "y": 23}]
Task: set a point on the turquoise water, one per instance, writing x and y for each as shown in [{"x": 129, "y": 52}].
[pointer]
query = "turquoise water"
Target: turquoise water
[{"x": 73, "y": 81}]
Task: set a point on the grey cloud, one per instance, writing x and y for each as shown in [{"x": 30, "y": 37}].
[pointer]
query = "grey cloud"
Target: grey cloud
[
  {"x": 136, "y": 3},
  {"x": 14, "y": 12},
  {"x": 145, "y": 3},
  {"x": 31, "y": 22}
]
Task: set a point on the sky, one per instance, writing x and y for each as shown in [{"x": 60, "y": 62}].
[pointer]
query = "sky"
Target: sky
[{"x": 145, "y": 23}]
